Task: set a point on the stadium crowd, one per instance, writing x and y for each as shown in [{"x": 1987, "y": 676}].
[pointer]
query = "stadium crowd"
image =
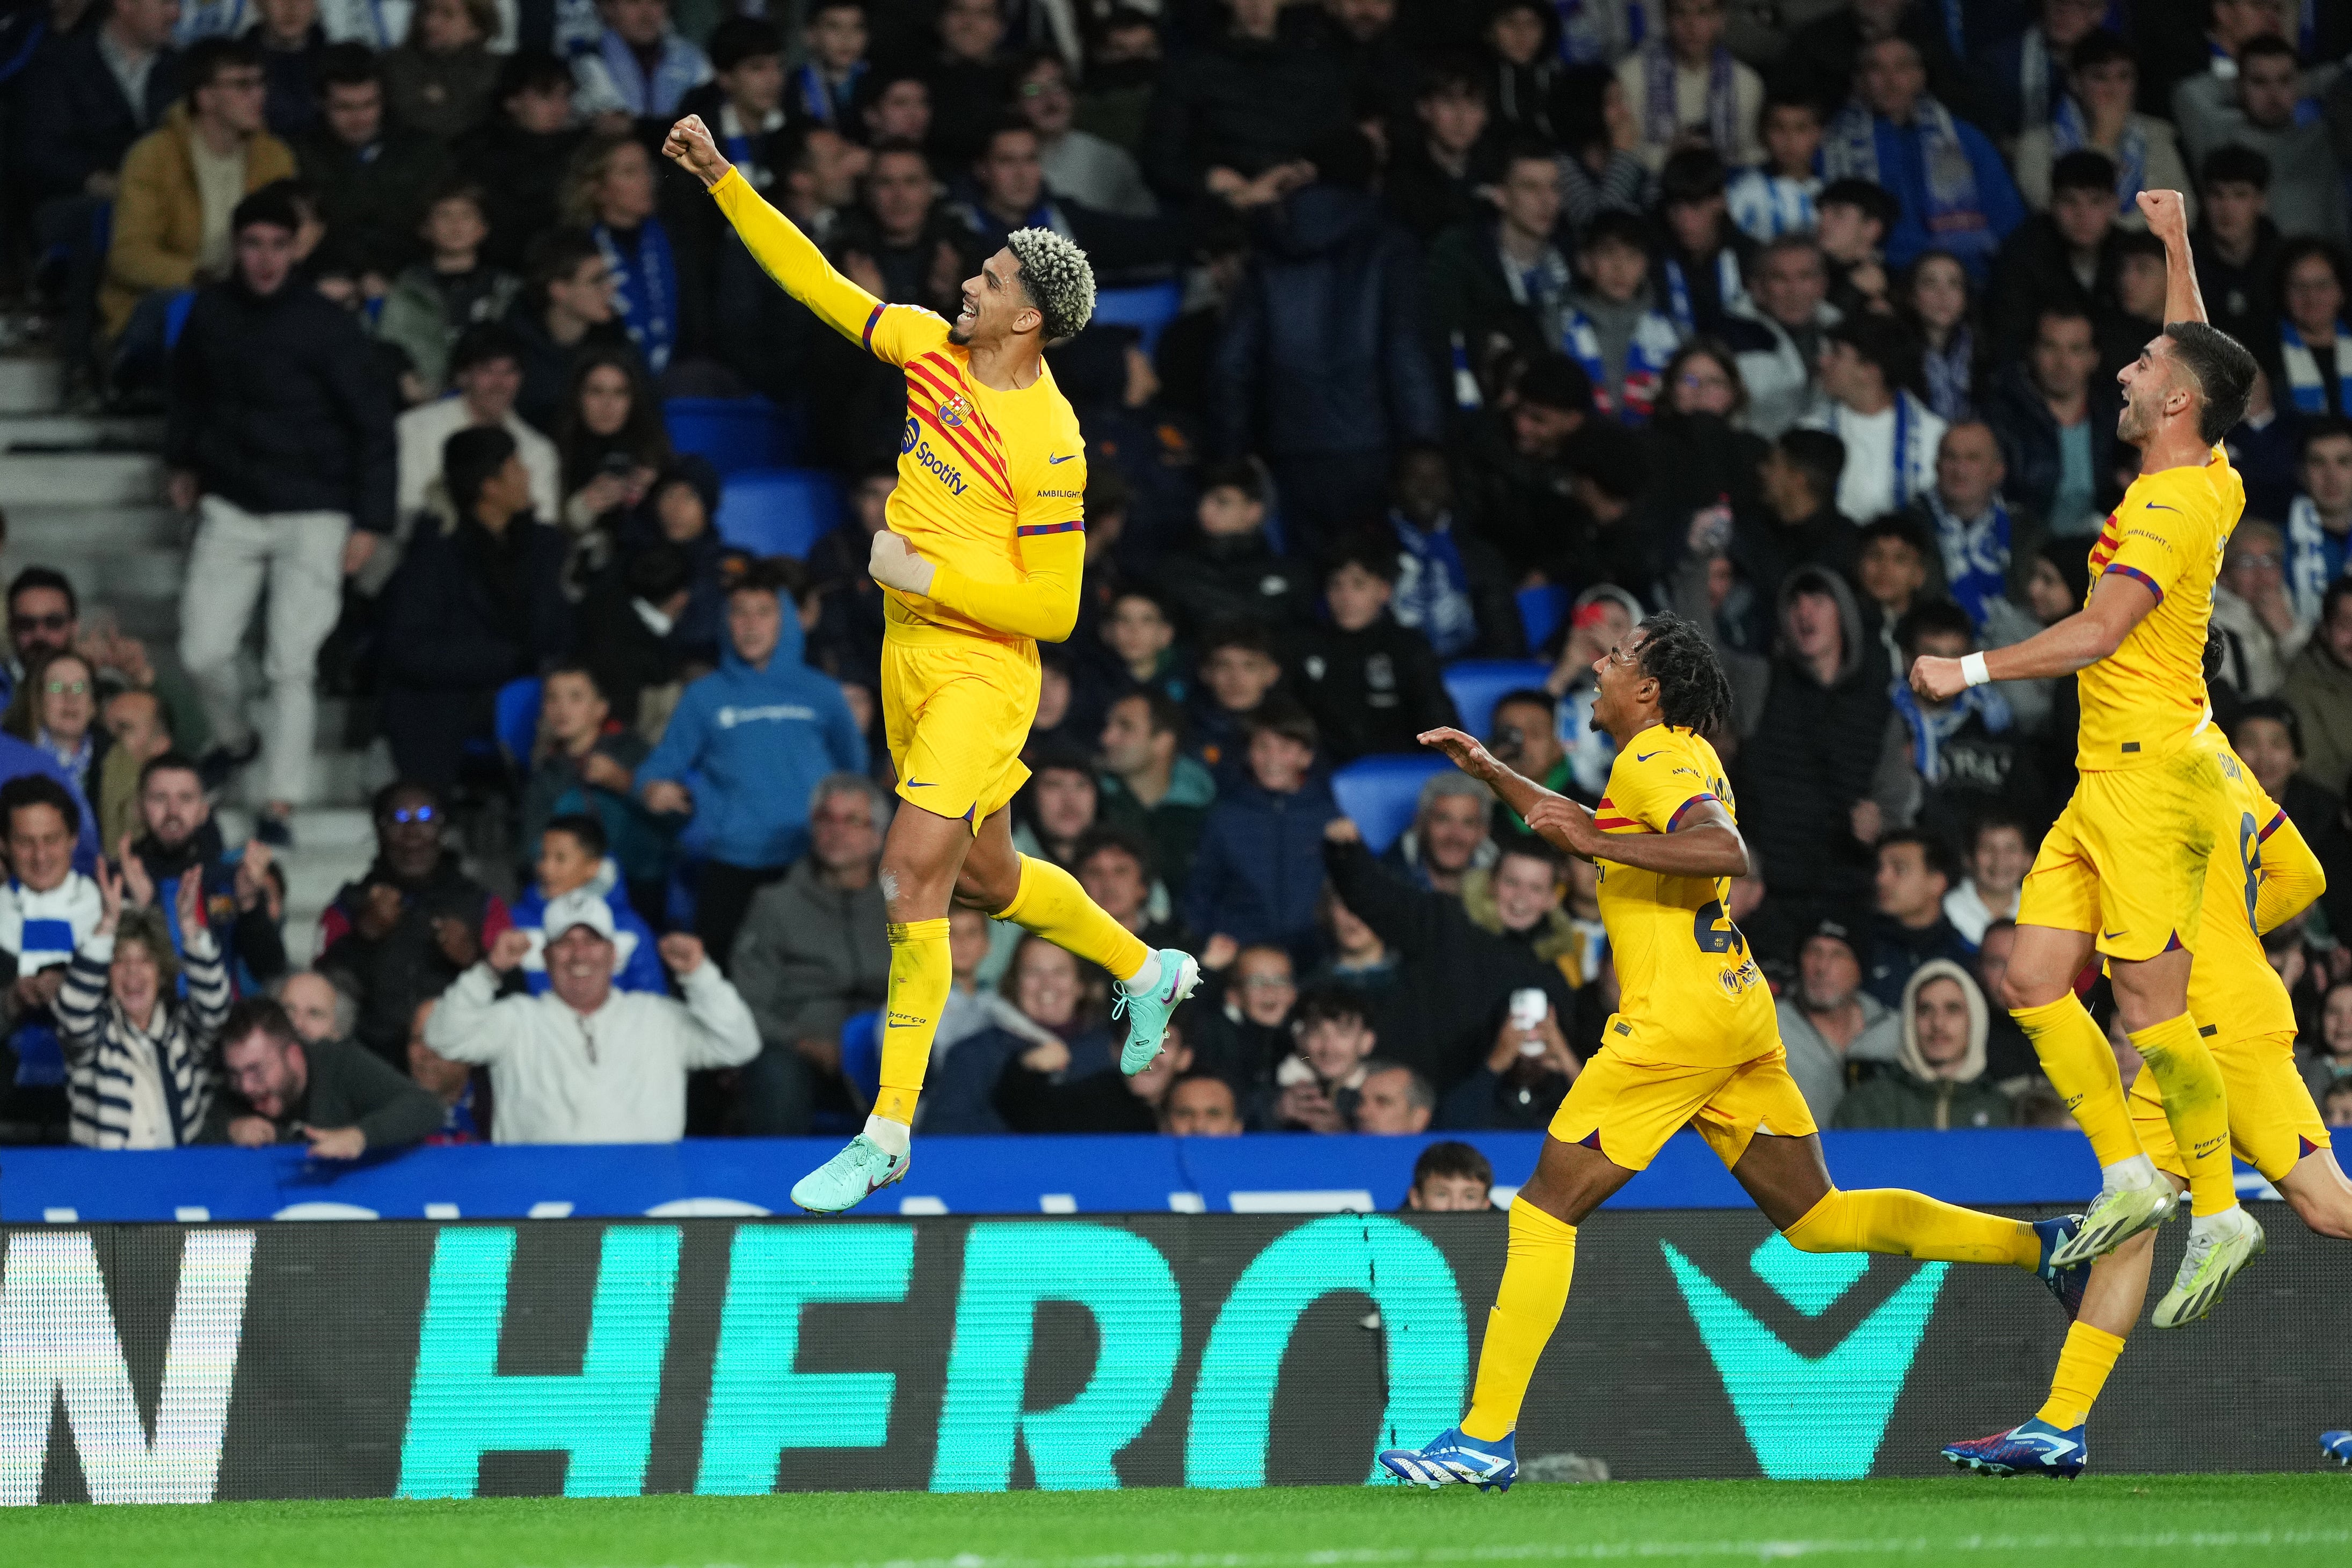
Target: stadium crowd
[{"x": 1504, "y": 324}]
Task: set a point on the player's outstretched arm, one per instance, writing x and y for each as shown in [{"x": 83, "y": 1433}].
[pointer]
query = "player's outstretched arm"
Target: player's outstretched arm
[
  {"x": 2168, "y": 220},
  {"x": 1043, "y": 604},
  {"x": 2119, "y": 602},
  {"x": 775, "y": 242}
]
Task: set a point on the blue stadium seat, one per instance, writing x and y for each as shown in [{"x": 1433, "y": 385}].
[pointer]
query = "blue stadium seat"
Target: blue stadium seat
[
  {"x": 734, "y": 432},
  {"x": 861, "y": 1054},
  {"x": 1148, "y": 309},
  {"x": 1476, "y": 684},
  {"x": 1381, "y": 793},
  {"x": 778, "y": 511},
  {"x": 516, "y": 723},
  {"x": 1542, "y": 612},
  {"x": 175, "y": 317}
]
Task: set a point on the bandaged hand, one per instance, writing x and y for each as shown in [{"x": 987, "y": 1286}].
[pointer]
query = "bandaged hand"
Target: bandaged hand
[{"x": 895, "y": 564}]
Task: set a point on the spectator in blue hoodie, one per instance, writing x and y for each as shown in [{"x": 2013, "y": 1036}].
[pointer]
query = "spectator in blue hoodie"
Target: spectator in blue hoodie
[
  {"x": 745, "y": 751},
  {"x": 1257, "y": 876},
  {"x": 573, "y": 866}
]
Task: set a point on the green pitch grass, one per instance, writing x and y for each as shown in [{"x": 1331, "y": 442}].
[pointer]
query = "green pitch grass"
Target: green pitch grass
[{"x": 2215, "y": 1522}]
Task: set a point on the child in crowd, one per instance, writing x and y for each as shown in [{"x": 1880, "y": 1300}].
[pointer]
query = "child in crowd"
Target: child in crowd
[
  {"x": 1238, "y": 669},
  {"x": 823, "y": 88},
  {"x": 1856, "y": 218},
  {"x": 1372, "y": 685},
  {"x": 1141, "y": 640},
  {"x": 1614, "y": 328},
  {"x": 1451, "y": 1176},
  {"x": 1315, "y": 1088},
  {"x": 1776, "y": 197},
  {"x": 1259, "y": 873},
  {"x": 434, "y": 300},
  {"x": 1702, "y": 272},
  {"x": 748, "y": 59},
  {"x": 573, "y": 867},
  {"x": 586, "y": 766},
  {"x": 1232, "y": 569}
]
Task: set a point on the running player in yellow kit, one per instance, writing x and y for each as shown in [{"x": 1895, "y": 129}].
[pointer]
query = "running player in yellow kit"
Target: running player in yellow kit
[
  {"x": 982, "y": 560},
  {"x": 1695, "y": 1041},
  {"x": 2261, "y": 875},
  {"x": 2122, "y": 875}
]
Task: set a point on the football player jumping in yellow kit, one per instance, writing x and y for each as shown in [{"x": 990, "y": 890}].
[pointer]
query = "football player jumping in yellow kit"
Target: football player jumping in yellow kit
[
  {"x": 1694, "y": 1041},
  {"x": 2261, "y": 875},
  {"x": 981, "y": 559},
  {"x": 2122, "y": 874}
]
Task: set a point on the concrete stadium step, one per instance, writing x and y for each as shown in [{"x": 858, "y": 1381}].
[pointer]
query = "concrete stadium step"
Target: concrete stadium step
[
  {"x": 81, "y": 431},
  {"x": 37, "y": 529},
  {"x": 30, "y": 383},
  {"x": 81, "y": 478}
]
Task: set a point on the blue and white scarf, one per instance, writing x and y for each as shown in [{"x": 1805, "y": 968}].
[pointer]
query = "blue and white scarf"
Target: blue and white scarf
[
  {"x": 1730, "y": 287},
  {"x": 1931, "y": 729},
  {"x": 2070, "y": 133},
  {"x": 1950, "y": 372},
  {"x": 680, "y": 69},
  {"x": 1955, "y": 217},
  {"x": 827, "y": 104},
  {"x": 1913, "y": 460},
  {"x": 42, "y": 929},
  {"x": 1767, "y": 205},
  {"x": 2305, "y": 388},
  {"x": 2033, "y": 73},
  {"x": 1976, "y": 553},
  {"x": 1653, "y": 343},
  {"x": 1432, "y": 587},
  {"x": 2314, "y": 559},
  {"x": 644, "y": 289},
  {"x": 1662, "y": 121}
]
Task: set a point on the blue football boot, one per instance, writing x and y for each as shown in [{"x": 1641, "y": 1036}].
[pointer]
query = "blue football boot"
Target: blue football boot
[
  {"x": 2337, "y": 1446},
  {"x": 1455, "y": 1459},
  {"x": 2069, "y": 1282},
  {"x": 2036, "y": 1448}
]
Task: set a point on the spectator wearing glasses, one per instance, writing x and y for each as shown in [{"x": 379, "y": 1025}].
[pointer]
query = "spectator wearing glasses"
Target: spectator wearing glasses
[
  {"x": 55, "y": 708},
  {"x": 585, "y": 1062},
  {"x": 44, "y": 612},
  {"x": 338, "y": 1100},
  {"x": 2254, "y": 612},
  {"x": 181, "y": 184},
  {"x": 412, "y": 923}
]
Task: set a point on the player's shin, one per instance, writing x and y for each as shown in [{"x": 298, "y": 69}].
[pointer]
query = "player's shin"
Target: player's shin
[
  {"x": 2083, "y": 1366},
  {"x": 1913, "y": 1225},
  {"x": 2196, "y": 1106},
  {"x": 922, "y": 974},
  {"x": 2081, "y": 1065},
  {"x": 1527, "y": 1305},
  {"x": 1051, "y": 903}
]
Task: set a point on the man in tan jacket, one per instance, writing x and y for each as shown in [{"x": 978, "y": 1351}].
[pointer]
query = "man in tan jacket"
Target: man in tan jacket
[{"x": 181, "y": 181}]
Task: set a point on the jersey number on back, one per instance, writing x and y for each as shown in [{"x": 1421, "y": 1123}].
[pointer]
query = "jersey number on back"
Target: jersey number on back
[{"x": 1712, "y": 929}]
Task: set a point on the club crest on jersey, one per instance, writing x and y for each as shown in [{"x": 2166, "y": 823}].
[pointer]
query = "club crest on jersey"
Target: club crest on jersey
[{"x": 954, "y": 411}]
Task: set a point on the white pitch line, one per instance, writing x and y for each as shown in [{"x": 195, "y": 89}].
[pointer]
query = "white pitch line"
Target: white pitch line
[{"x": 1591, "y": 1551}]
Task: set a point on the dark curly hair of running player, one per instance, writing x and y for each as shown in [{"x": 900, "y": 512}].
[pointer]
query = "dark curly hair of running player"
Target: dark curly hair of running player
[{"x": 1693, "y": 691}]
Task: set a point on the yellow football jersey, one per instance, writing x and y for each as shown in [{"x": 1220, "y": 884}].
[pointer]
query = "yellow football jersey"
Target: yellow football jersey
[
  {"x": 1688, "y": 990},
  {"x": 2147, "y": 700},
  {"x": 2233, "y": 992},
  {"x": 980, "y": 471}
]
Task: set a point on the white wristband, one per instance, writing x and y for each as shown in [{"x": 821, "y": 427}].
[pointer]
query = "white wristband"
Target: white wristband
[{"x": 1973, "y": 671}]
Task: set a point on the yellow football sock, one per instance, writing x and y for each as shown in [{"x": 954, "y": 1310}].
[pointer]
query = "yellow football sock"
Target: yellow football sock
[
  {"x": 2082, "y": 1367},
  {"x": 2081, "y": 1068},
  {"x": 1527, "y": 1304},
  {"x": 1913, "y": 1225},
  {"x": 1051, "y": 903},
  {"x": 2197, "y": 1107},
  {"x": 920, "y": 975}
]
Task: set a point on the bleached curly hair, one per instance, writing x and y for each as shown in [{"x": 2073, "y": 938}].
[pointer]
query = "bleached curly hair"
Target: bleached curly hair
[{"x": 1059, "y": 278}]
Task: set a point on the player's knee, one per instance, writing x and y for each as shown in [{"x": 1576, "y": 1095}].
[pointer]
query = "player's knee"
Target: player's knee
[{"x": 1817, "y": 1228}]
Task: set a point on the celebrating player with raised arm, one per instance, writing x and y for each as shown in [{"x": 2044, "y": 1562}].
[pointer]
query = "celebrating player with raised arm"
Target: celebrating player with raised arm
[
  {"x": 982, "y": 558},
  {"x": 2122, "y": 874},
  {"x": 2262, "y": 874},
  {"x": 1694, "y": 1041}
]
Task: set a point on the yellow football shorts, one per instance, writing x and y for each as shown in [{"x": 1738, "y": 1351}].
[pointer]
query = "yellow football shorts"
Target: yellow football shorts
[
  {"x": 2272, "y": 1122},
  {"x": 955, "y": 712},
  {"x": 2125, "y": 861},
  {"x": 1628, "y": 1109}
]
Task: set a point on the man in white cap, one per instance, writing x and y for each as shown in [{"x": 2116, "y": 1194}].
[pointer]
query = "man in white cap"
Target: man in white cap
[{"x": 582, "y": 1063}]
